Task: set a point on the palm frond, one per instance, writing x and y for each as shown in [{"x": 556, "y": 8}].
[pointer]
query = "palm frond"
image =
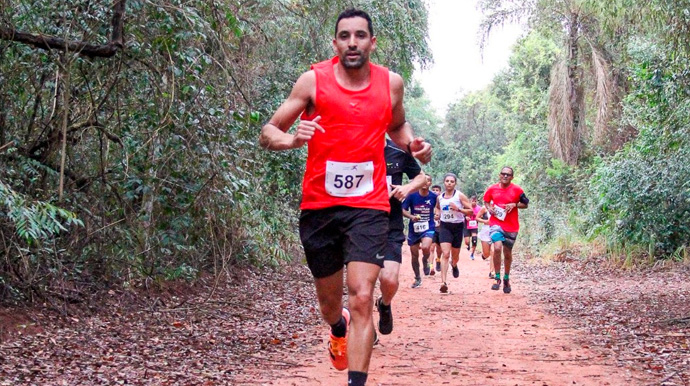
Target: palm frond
[
  {"x": 560, "y": 120},
  {"x": 603, "y": 94}
]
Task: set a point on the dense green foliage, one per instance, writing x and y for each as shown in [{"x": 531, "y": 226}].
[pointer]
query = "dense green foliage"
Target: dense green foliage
[
  {"x": 603, "y": 151},
  {"x": 163, "y": 175},
  {"x": 641, "y": 195}
]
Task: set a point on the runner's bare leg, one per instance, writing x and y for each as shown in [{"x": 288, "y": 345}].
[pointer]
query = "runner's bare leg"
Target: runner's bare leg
[
  {"x": 361, "y": 279},
  {"x": 329, "y": 292}
]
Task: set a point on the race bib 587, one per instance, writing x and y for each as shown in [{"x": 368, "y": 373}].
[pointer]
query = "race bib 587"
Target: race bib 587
[{"x": 347, "y": 179}]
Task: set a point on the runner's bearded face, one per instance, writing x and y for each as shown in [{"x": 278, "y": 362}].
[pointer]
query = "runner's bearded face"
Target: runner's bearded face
[{"x": 353, "y": 43}]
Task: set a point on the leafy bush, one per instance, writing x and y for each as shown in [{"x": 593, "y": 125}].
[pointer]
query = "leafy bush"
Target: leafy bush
[
  {"x": 641, "y": 197},
  {"x": 34, "y": 221}
]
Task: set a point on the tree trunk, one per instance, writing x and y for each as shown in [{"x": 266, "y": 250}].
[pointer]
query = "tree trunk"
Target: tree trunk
[
  {"x": 576, "y": 97},
  {"x": 65, "y": 68}
]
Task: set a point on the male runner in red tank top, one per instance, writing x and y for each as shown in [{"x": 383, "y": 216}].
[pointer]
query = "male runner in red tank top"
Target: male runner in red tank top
[{"x": 347, "y": 105}]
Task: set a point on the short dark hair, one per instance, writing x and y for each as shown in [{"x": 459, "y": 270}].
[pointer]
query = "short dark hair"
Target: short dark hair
[
  {"x": 352, "y": 12},
  {"x": 508, "y": 167},
  {"x": 436, "y": 187}
]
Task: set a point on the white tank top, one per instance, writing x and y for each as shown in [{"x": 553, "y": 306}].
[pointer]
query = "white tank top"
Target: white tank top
[{"x": 448, "y": 214}]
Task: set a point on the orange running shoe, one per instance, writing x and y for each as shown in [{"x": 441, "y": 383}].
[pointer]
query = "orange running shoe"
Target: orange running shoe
[{"x": 337, "y": 347}]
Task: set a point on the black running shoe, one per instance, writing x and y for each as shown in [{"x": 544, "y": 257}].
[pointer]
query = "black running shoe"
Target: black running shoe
[
  {"x": 438, "y": 266},
  {"x": 417, "y": 283},
  {"x": 506, "y": 286},
  {"x": 427, "y": 269},
  {"x": 456, "y": 272},
  {"x": 496, "y": 285},
  {"x": 385, "y": 318}
]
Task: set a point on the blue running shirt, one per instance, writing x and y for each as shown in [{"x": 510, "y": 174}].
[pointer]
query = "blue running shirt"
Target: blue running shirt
[{"x": 424, "y": 206}]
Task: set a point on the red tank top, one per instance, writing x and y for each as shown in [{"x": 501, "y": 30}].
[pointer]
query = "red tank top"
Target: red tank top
[{"x": 346, "y": 164}]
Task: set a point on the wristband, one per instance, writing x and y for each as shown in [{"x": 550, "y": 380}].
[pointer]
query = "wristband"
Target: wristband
[{"x": 409, "y": 150}]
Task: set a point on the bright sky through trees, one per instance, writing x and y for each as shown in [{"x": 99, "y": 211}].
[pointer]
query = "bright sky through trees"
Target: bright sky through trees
[{"x": 458, "y": 64}]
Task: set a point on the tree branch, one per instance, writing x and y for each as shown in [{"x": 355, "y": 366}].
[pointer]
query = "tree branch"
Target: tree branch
[
  {"x": 83, "y": 48},
  {"x": 56, "y": 135}
]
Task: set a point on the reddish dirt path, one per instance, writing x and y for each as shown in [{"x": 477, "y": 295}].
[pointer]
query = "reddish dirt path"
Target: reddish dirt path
[{"x": 471, "y": 336}]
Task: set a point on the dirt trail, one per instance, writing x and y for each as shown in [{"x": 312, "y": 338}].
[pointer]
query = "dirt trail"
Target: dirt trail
[{"x": 471, "y": 336}]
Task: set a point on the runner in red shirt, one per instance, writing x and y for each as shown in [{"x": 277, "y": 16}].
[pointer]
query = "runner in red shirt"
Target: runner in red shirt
[
  {"x": 503, "y": 201},
  {"x": 347, "y": 105}
]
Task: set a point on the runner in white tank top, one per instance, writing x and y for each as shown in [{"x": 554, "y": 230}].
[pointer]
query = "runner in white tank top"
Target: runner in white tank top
[
  {"x": 451, "y": 208},
  {"x": 451, "y": 213}
]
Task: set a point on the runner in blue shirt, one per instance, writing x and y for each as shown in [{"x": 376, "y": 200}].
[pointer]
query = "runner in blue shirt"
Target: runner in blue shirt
[{"x": 419, "y": 208}]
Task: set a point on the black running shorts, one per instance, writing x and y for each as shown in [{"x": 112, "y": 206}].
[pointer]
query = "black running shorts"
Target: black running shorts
[
  {"x": 396, "y": 238},
  {"x": 333, "y": 237},
  {"x": 437, "y": 234},
  {"x": 471, "y": 232},
  {"x": 452, "y": 233}
]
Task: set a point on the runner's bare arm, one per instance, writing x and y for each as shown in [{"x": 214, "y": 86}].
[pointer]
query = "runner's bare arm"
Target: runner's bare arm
[
  {"x": 413, "y": 217},
  {"x": 489, "y": 204},
  {"x": 400, "y": 130},
  {"x": 437, "y": 209},
  {"x": 418, "y": 182},
  {"x": 274, "y": 135},
  {"x": 480, "y": 215},
  {"x": 402, "y": 191},
  {"x": 467, "y": 207},
  {"x": 511, "y": 206}
]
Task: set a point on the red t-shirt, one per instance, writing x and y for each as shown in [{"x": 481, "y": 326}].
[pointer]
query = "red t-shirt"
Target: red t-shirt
[
  {"x": 346, "y": 164},
  {"x": 501, "y": 197}
]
